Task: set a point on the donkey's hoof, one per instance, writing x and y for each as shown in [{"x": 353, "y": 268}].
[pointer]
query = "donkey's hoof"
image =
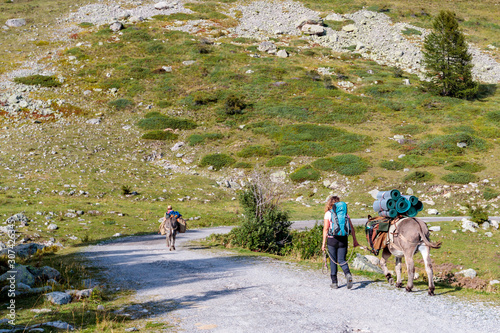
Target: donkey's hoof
[
  {"x": 391, "y": 281},
  {"x": 431, "y": 292},
  {"x": 399, "y": 285},
  {"x": 408, "y": 289}
]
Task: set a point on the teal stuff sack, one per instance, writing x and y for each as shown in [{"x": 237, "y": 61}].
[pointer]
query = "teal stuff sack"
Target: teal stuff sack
[{"x": 339, "y": 225}]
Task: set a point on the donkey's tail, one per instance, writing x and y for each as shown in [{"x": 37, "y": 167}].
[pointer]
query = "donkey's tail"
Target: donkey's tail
[{"x": 425, "y": 235}]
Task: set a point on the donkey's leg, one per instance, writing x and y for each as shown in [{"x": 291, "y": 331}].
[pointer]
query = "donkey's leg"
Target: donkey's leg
[
  {"x": 167, "y": 237},
  {"x": 426, "y": 254},
  {"x": 383, "y": 264},
  {"x": 410, "y": 267},
  {"x": 399, "y": 274},
  {"x": 173, "y": 239}
]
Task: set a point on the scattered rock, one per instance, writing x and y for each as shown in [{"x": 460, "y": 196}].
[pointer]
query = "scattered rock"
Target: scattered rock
[
  {"x": 349, "y": 28},
  {"x": 461, "y": 144},
  {"x": 177, "y": 146},
  {"x": 267, "y": 46},
  {"x": 15, "y": 23},
  {"x": 52, "y": 226},
  {"x": 488, "y": 234},
  {"x": 165, "y": 5},
  {"x": 278, "y": 177},
  {"x": 485, "y": 226},
  {"x": 470, "y": 273},
  {"x": 94, "y": 121},
  {"x": 310, "y": 29},
  {"x": 432, "y": 211},
  {"x": 435, "y": 228},
  {"x": 131, "y": 329},
  {"x": 58, "y": 297},
  {"x": 494, "y": 224},
  {"x": 373, "y": 259},
  {"x": 493, "y": 282},
  {"x": 22, "y": 275},
  {"x": 59, "y": 324},
  {"x": 116, "y": 26},
  {"x": 24, "y": 250},
  {"x": 468, "y": 225},
  {"x": 44, "y": 273},
  {"x": 282, "y": 54},
  {"x": 363, "y": 264},
  {"x": 18, "y": 218},
  {"x": 188, "y": 62}
]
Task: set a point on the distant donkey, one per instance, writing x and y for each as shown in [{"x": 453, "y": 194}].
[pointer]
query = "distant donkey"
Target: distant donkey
[
  {"x": 406, "y": 237},
  {"x": 169, "y": 227}
]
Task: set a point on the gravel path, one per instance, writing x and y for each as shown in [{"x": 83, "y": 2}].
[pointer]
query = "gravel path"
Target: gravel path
[{"x": 198, "y": 289}]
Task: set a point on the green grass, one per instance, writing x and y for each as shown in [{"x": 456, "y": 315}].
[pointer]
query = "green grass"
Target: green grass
[
  {"x": 418, "y": 177},
  {"x": 157, "y": 121},
  {"x": 252, "y": 151},
  {"x": 462, "y": 166},
  {"x": 217, "y": 161},
  {"x": 278, "y": 161},
  {"x": 121, "y": 104},
  {"x": 460, "y": 178},
  {"x": 306, "y": 172},
  {"x": 39, "y": 80},
  {"x": 160, "y": 135}
]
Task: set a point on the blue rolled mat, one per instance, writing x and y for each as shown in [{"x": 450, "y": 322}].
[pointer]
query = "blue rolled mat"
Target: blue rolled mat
[
  {"x": 385, "y": 204},
  {"x": 392, "y": 213},
  {"x": 419, "y": 206},
  {"x": 411, "y": 198},
  {"x": 392, "y": 194},
  {"x": 402, "y": 205},
  {"x": 412, "y": 212}
]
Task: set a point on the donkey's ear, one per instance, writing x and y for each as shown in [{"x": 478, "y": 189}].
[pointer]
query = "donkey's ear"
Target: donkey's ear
[{"x": 369, "y": 217}]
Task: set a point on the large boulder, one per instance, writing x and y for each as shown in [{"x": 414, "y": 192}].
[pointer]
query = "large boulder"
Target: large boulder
[
  {"x": 363, "y": 264},
  {"x": 18, "y": 219},
  {"x": 22, "y": 275},
  {"x": 470, "y": 273},
  {"x": 44, "y": 273},
  {"x": 165, "y": 5},
  {"x": 116, "y": 26},
  {"x": 24, "y": 250},
  {"x": 15, "y": 23},
  {"x": 58, "y": 297},
  {"x": 311, "y": 29},
  {"x": 268, "y": 47}
]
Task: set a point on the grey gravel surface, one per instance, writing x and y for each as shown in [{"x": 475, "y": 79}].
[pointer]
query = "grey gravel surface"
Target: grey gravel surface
[{"x": 219, "y": 291}]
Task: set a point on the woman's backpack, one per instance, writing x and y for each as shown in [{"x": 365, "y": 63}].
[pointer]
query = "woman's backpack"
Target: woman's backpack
[{"x": 339, "y": 225}]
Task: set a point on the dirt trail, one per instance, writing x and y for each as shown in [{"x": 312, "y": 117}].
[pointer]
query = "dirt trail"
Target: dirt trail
[{"x": 202, "y": 290}]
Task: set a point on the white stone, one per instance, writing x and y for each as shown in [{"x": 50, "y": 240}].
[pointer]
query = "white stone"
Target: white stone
[
  {"x": 406, "y": 82},
  {"x": 167, "y": 69},
  {"x": 485, "y": 226},
  {"x": 267, "y": 46},
  {"x": 432, "y": 211},
  {"x": 117, "y": 234},
  {"x": 165, "y": 5},
  {"x": 401, "y": 156},
  {"x": 374, "y": 260},
  {"x": 437, "y": 228},
  {"x": 461, "y": 144},
  {"x": 15, "y": 23},
  {"x": 488, "y": 234},
  {"x": 188, "y": 62},
  {"x": 350, "y": 28},
  {"x": 409, "y": 191},
  {"x": 52, "y": 226},
  {"x": 493, "y": 282},
  {"x": 312, "y": 29},
  {"x": 177, "y": 146},
  {"x": 94, "y": 121},
  {"x": 374, "y": 193},
  {"x": 470, "y": 273},
  {"x": 278, "y": 177},
  {"x": 116, "y": 26},
  {"x": 60, "y": 325},
  {"x": 282, "y": 54},
  {"x": 494, "y": 224}
]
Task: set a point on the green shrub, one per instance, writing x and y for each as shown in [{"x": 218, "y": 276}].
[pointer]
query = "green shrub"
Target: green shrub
[
  {"x": 253, "y": 151},
  {"x": 411, "y": 31},
  {"x": 279, "y": 161},
  {"x": 460, "y": 178},
  {"x": 77, "y": 52},
  {"x": 121, "y": 104},
  {"x": 218, "y": 161},
  {"x": 303, "y": 149},
  {"x": 349, "y": 165},
  {"x": 306, "y": 132},
  {"x": 307, "y": 244},
  {"x": 41, "y": 80},
  {"x": 307, "y": 172},
  {"x": 126, "y": 189},
  {"x": 392, "y": 165},
  {"x": 132, "y": 35},
  {"x": 465, "y": 167},
  {"x": 418, "y": 177},
  {"x": 159, "y": 135},
  {"x": 478, "y": 214},
  {"x": 265, "y": 227},
  {"x": 204, "y": 97},
  {"x": 419, "y": 161},
  {"x": 448, "y": 143},
  {"x": 164, "y": 104},
  {"x": 158, "y": 122},
  {"x": 489, "y": 194},
  {"x": 86, "y": 25},
  {"x": 242, "y": 165},
  {"x": 234, "y": 104},
  {"x": 197, "y": 139},
  {"x": 325, "y": 164},
  {"x": 349, "y": 143}
]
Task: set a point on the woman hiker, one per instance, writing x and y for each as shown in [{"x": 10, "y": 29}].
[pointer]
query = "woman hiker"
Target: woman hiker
[{"x": 336, "y": 228}]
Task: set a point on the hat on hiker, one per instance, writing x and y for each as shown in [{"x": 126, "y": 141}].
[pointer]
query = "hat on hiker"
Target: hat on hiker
[{"x": 169, "y": 207}]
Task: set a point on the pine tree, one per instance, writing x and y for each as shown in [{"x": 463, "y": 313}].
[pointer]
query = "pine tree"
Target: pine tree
[{"x": 447, "y": 59}]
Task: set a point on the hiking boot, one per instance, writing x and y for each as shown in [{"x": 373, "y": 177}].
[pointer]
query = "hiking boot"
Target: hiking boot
[
  {"x": 349, "y": 281},
  {"x": 334, "y": 286}
]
